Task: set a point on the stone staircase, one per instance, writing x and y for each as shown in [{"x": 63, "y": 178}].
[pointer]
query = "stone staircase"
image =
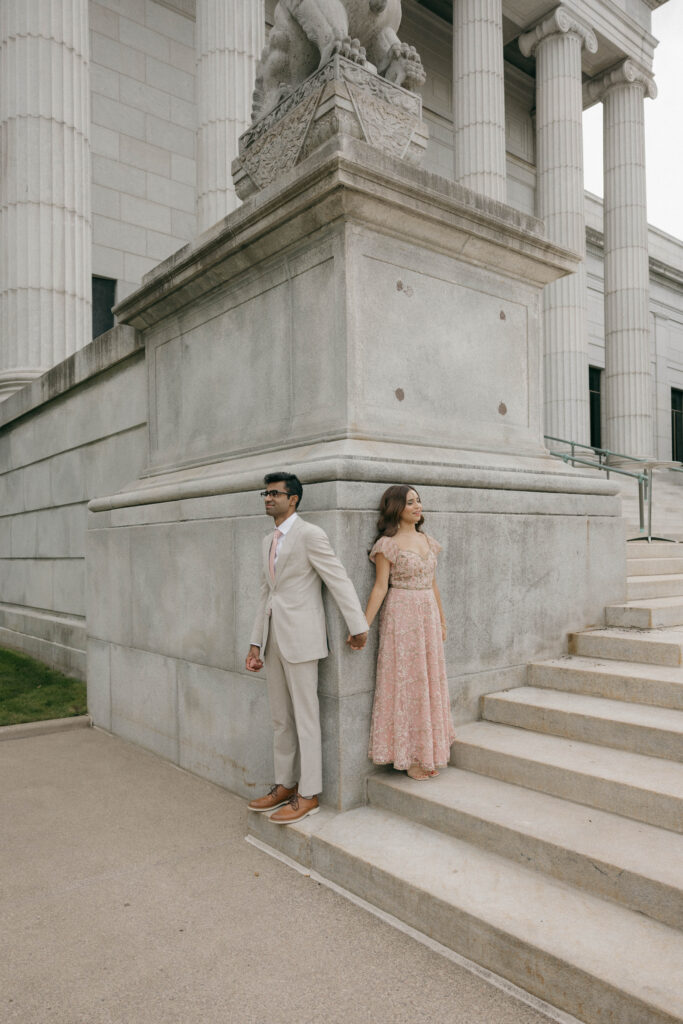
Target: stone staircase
[{"x": 551, "y": 852}]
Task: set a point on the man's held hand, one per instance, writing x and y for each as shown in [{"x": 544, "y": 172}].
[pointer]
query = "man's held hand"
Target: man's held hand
[
  {"x": 253, "y": 661},
  {"x": 357, "y": 642}
]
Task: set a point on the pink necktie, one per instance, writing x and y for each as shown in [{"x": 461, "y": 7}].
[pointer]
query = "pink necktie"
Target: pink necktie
[{"x": 273, "y": 549}]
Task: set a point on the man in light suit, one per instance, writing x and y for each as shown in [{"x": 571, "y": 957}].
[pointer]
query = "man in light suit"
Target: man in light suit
[{"x": 290, "y": 635}]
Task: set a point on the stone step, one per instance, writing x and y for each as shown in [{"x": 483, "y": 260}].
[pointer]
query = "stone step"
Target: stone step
[
  {"x": 578, "y": 952},
  {"x": 651, "y": 566},
  {"x": 625, "y": 861},
  {"x": 662, "y": 549},
  {"x": 656, "y": 732},
  {"x": 615, "y": 680},
  {"x": 648, "y": 789},
  {"x": 664, "y": 647},
  {"x": 646, "y": 613},
  {"x": 638, "y": 587}
]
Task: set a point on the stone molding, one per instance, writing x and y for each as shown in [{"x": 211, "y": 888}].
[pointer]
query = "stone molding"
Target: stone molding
[
  {"x": 341, "y": 173},
  {"x": 626, "y": 73},
  {"x": 561, "y": 21}
]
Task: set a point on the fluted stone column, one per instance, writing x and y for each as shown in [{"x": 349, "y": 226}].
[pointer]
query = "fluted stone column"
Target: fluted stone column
[
  {"x": 45, "y": 244},
  {"x": 557, "y": 43},
  {"x": 628, "y": 415},
  {"x": 230, "y": 37},
  {"x": 479, "y": 96}
]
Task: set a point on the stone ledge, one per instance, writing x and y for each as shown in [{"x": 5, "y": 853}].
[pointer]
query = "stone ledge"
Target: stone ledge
[
  {"x": 28, "y": 729},
  {"x": 110, "y": 348}
]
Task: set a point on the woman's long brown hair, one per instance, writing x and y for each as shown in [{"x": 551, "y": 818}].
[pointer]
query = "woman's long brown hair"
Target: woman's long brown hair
[{"x": 391, "y": 504}]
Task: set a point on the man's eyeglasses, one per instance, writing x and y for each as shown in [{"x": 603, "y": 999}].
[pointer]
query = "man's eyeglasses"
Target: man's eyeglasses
[{"x": 272, "y": 494}]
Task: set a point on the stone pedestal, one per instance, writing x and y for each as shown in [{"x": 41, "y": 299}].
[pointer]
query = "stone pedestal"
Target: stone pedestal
[
  {"x": 230, "y": 38},
  {"x": 628, "y": 384},
  {"x": 45, "y": 276},
  {"x": 479, "y": 96},
  {"x": 557, "y": 44},
  {"x": 360, "y": 323},
  {"x": 341, "y": 99}
]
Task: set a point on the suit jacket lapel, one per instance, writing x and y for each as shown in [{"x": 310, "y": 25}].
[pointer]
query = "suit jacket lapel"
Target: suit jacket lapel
[{"x": 288, "y": 543}]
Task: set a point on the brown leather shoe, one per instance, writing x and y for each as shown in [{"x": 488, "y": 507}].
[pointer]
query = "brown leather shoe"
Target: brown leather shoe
[
  {"x": 296, "y": 808},
  {"x": 275, "y": 797}
]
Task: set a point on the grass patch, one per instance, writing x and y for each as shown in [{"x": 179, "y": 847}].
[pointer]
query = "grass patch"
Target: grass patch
[{"x": 32, "y": 692}]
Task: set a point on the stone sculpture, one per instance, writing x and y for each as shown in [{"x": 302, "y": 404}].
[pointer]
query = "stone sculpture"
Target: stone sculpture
[
  {"x": 306, "y": 33},
  {"x": 331, "y": 67}
]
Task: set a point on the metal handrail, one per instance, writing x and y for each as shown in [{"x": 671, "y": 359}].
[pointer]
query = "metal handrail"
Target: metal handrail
[{"x": 644, "y": 479}]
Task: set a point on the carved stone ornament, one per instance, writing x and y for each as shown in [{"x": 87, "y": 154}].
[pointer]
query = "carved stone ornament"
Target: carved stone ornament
[
  {"x": 624, "y": 74},
  {"x": 561, "y": 21},
  {"x": 343, "y": 97}
]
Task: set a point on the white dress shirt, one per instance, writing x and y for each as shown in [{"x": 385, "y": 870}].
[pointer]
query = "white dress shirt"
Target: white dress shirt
[{"x": 284, "y": 529}]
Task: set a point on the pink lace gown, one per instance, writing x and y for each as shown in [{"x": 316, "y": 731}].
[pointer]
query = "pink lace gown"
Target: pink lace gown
[{"x": 411, "y": 717}]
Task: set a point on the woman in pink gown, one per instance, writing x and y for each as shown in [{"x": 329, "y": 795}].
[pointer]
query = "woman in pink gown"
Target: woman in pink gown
[{"x": 412, "y": 726}]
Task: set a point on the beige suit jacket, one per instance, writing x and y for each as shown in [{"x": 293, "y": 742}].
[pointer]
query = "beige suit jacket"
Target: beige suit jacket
[{"x": 294, "y": 599}]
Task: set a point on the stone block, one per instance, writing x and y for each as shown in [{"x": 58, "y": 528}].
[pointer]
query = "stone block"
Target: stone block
[
  {"x": 123, "y": 59},
  {"x": 39, "y": 579},
  {"x": 68, "y": 587},
  {"x": 144, "y": 699},
  {"x": 175, "y": 135},
  {"x": 108, "y": 585},
  {"x": 114, "y": 461},
  {"x": 170, "y": 23},
  {"x": 183, "y": 114},
  {"x": 104, "y": 81},
  {"x": 99, "y": 683},
  {"x": 113, "y": 173},
  {"x": 181, "y": 591},
  {"x": 169, "y": 79},
  {"x": 345, "y": 724},
  {"x": 14, "y": 572},
  {"x": 105, "y": 202},
  {"x": 5, "y": 537},
  {"x": 104, "y": 142},
  {"x": 224, "y": 728},
  {"x": 67, "y": 478},
  {"x": 145, "y": 39},
  {"x": 141, "y": 154},
  {"x": 25, "y": 535},
  {"x": 12, "y": 492},
  {"x": 129, "y": 237},
  {"x": 172, "y": 193}
]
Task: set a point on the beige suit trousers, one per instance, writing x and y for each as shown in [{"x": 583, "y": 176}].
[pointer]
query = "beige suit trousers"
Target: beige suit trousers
[{"x": 294, "y": 708}]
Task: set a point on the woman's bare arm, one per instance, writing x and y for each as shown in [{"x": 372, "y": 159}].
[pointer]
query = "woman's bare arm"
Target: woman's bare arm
[{"x": 379, "y": 591}]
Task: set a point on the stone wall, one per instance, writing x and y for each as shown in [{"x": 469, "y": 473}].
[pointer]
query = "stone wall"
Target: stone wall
[{"x": 74, "y": 434}]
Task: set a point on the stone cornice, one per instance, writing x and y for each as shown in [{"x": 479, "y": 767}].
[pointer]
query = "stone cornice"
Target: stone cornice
[
  {"x": 561, "y": 20},
  {"x": 625, "y": 73}
]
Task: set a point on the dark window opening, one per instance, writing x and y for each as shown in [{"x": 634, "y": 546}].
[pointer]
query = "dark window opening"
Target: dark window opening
[
  {"x": 676, "y": 425},
  {"x": 103, "y": 298},
  {"x": 594, "y": 391}
]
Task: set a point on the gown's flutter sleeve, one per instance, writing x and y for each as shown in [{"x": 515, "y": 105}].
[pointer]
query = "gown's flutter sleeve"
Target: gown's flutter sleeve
[
  {"x": 386, "y": 546},
  {"x": 434, "y": 544}
]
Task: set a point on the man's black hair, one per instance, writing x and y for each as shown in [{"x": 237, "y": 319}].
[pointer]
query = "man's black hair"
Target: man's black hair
[{"x": 292, "y": 484}]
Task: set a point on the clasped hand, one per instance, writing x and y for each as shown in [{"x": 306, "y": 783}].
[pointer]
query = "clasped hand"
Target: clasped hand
[{"x": 357, "y": 642}]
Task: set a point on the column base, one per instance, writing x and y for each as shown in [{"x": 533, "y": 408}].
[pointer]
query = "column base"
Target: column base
[{"x": 15, "y": 380}]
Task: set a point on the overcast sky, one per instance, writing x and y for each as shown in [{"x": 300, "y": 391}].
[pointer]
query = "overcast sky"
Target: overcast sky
[{"x": 663, "y": 127}]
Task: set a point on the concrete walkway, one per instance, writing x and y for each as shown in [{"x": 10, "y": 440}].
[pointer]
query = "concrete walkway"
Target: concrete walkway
[{"x": 128, "y": 895}]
